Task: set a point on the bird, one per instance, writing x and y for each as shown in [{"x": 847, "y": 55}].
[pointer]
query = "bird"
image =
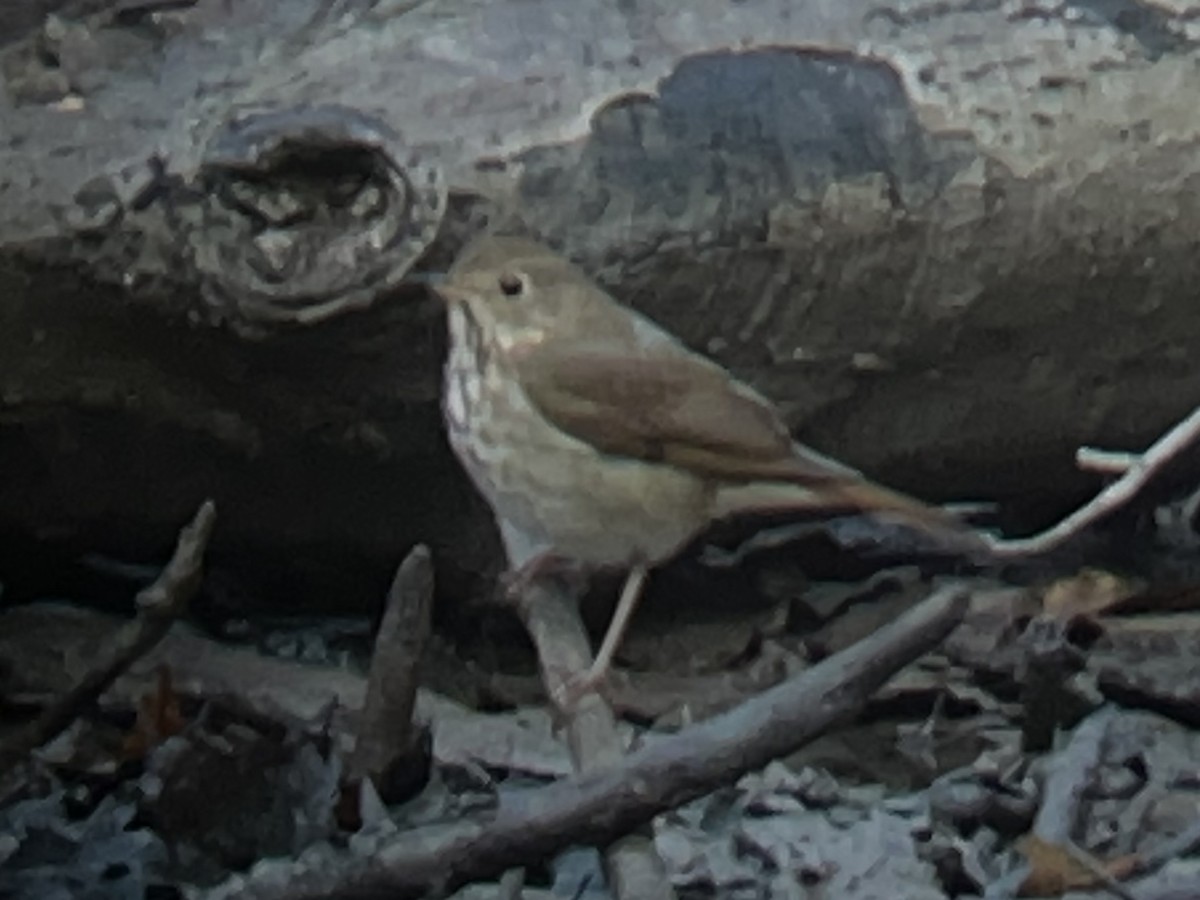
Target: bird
[{"x": 601, "y": 441}]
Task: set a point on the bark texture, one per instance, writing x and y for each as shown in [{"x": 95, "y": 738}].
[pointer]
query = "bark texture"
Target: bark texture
[{"x": 953, "y": 240}]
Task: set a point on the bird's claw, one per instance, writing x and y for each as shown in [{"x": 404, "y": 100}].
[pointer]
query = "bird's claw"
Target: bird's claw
[
  {"x": 568, "y": 695},
  {"x": 515, "y": 583}
]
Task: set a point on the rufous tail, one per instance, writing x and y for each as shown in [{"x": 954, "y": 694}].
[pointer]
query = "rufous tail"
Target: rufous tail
[{"x": 838, "y": 496}]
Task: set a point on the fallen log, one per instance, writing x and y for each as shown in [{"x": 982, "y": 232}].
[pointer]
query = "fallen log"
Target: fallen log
[{"x": 953, "y": 242}]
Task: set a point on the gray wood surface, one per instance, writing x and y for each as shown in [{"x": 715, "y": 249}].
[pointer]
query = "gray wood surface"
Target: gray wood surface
[{"x": 953, "y": 240}]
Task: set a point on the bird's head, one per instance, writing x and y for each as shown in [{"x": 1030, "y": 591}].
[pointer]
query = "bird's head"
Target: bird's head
[{"x": 521, "y": 292}]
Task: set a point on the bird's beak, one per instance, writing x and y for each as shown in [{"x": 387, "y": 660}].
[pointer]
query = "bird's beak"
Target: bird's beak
[{"x": 452, "y": 293}]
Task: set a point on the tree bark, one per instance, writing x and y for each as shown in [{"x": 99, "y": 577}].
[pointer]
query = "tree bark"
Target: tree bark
[{"x": 952, "y": 240}]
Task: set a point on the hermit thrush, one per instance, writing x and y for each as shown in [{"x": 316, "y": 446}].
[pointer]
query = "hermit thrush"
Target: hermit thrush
[{"x": 600, "y": 439}]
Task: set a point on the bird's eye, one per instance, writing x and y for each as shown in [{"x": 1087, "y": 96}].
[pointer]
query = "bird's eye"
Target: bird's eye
[{"x": 511, "y": 285}]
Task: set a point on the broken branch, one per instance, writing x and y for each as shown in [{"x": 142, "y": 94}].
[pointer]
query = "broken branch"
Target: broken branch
[
  {"x": 564, "y": 653},
  {"x": 388, "y": 748},
  {"x": 597, "y": 807},
  {"x": 159, "y": 605},
  {"x": 1134, "y": 480},
  {"x": 1105, "y": 462}
]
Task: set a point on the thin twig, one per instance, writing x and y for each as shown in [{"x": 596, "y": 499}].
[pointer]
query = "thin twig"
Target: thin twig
[
  {"x": 388, "y": 744},
  {"x": 1164, "y": 451},
  {"x": 1186, "y": 843},
  {"x": 1096, "y": 869},
  {"x": 1069, "y": 778},
  {"x": 551, "y": 616},
  {"x": 159, "y": 605},
  {"x": 1070, "y": 775},
  {"x": 292, "y": 695},
  {"x": 512, "y": 885},
  {"x": 598, "y": 807},
  {"x": 1105, "y": 462}
]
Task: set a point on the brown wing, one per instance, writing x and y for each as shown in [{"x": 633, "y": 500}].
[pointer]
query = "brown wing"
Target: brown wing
[
  {"x": 671, "y": 407},
  {"x": 677, "y": 408}
]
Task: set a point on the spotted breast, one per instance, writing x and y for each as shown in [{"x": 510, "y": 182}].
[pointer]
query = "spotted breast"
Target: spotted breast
[{"x": 549, "y": 491}]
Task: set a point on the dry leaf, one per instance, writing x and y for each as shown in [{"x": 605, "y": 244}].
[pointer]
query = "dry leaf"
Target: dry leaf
[
  {"x": 1055, "y": 869},
  {"x": 1090, "y": 592},
  {"x": 158, "y": 717}
]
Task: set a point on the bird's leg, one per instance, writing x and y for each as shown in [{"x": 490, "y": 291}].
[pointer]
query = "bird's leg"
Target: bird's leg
[
  {"x": 516, "y": 582},
  {"x": 631, "y": 593},
  {"x": 594, "y": 677}
]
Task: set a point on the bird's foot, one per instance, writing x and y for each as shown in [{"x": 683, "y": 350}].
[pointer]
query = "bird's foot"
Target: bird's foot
[
  {"x": 568, "y": 695},
  {"x": 595, "y": 678},
  {"x": 517, "y": 582}
]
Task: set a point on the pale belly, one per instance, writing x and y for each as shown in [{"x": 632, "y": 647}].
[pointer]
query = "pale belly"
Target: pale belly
[
  {"x": 552, "y": 493},
  {"x": 593, "y": 509}
]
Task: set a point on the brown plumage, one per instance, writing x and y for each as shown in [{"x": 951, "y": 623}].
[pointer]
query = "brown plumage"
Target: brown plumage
[{"x": 597, "y": 436}]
